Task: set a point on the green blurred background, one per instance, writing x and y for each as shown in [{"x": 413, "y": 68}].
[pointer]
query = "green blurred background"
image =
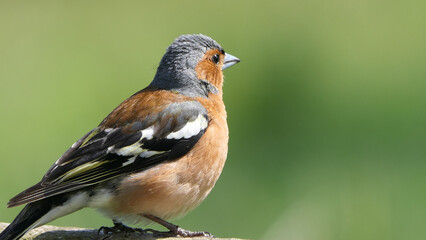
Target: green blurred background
[{"x": 326, "y": 110}]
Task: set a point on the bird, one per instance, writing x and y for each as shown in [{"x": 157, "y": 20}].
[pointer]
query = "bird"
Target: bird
[{"x": 154, "y": 158}]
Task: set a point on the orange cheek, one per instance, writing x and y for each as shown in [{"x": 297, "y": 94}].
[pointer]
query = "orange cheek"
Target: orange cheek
[{"x": 211, "y": 72}]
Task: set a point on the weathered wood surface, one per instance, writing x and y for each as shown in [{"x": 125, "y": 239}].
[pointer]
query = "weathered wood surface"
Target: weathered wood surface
[{"x": 48, "y": 232}]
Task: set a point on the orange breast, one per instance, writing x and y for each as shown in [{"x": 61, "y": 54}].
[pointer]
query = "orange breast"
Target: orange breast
[{"x": 170, "y": 190}]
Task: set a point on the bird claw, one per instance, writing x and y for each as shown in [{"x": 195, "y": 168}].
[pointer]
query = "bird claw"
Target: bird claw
[
  {"x": 179, "y": 232},
  {"x": 156, "y": 233},
  {"x": 120, "y": 228},
  {"x": 174, "y": 229}
]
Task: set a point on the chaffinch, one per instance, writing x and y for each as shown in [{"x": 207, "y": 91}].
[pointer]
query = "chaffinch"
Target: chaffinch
[{"x": 154, "y": 157}]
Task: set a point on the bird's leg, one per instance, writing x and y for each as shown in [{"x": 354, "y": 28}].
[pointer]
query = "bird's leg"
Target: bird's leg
[
  {"x": 174, "y": 229},
  {"x": 119, "y": 227}
]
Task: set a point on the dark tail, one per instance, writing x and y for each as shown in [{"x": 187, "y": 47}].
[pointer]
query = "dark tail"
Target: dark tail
[
  {"x": 26, "y": 220},
  {"x": 43, "y": 211}
]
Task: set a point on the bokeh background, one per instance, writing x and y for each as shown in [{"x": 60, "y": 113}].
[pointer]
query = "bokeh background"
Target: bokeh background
[{"x": 327, "y": 110}]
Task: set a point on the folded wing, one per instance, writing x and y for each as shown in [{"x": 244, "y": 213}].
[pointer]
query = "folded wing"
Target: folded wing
[{"x": 107, "y": 153}]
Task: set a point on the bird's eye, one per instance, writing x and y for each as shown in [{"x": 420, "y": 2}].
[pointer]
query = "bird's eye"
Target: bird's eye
[{"x": 215, "y": 58}]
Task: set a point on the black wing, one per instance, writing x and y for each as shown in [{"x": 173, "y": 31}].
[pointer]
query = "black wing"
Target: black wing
[{"x": 103, "y": 154}]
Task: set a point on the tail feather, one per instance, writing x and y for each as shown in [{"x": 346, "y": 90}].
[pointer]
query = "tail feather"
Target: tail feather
[
  {"x": 41, "y": 212},
  {"x": 25, "y": 221}
]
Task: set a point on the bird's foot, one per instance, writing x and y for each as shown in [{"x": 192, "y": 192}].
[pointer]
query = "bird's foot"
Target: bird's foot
[
  {"x": 174, "y": 229},
  {"x": 179, "y": 232},
  {"x": 120, "y": 228}
]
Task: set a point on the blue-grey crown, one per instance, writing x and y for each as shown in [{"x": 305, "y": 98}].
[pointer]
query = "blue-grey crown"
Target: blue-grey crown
[{"x": 176, "y": 71}]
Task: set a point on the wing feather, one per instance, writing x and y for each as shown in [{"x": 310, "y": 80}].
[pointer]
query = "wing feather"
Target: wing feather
[{"x": 107, "y": 153}]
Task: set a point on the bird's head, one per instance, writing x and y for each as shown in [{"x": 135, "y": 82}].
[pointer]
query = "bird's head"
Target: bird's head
[{"x": 193, "y": 65}]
